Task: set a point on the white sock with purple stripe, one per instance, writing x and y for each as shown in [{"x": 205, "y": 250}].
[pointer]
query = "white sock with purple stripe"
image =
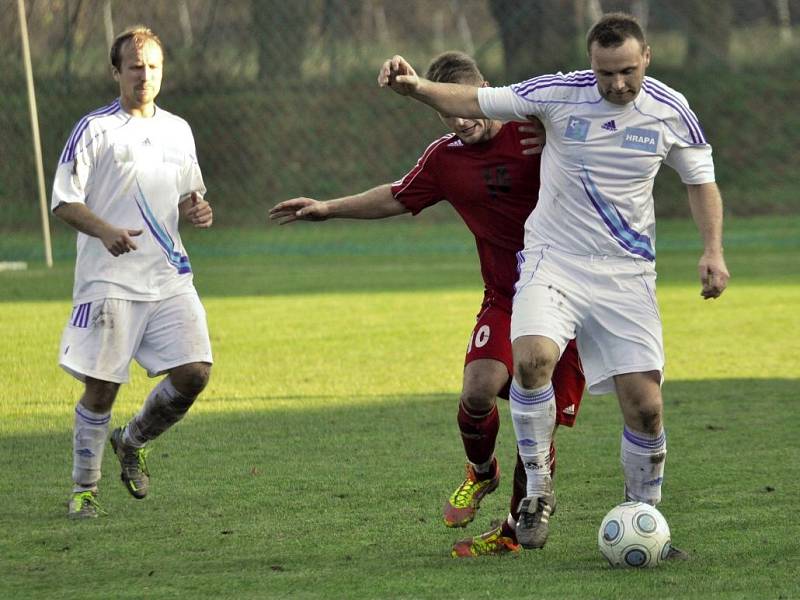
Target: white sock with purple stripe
[
  {"x": 534, "y": 415},
  {"x": 90, "y": 434},
  {"x": 643, "y": 456}
]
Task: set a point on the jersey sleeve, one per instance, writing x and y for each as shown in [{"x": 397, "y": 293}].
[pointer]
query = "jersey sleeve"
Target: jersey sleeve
[
  {"x": 538, "y": 97},
  {"x": 504, "y": 104},
  {"x": 694, "y": 164},
  {"x": 420, "y": 188},
  {"x": 75, "y": 167},
  {"x": 690, "y": 154}
]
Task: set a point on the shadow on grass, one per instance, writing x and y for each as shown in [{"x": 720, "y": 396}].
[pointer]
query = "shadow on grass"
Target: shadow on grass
[{"x": 345, "y": 502}]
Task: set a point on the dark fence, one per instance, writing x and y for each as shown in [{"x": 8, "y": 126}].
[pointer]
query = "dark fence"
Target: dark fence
[{"x": 283, "y": 100}]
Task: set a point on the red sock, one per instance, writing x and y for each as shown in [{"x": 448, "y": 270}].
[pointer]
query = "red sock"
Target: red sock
[{"x": 478, "y": 434}]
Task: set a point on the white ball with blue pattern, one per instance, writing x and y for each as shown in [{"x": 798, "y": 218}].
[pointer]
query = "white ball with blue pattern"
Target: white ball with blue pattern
[{"x": 634, "y": 535}]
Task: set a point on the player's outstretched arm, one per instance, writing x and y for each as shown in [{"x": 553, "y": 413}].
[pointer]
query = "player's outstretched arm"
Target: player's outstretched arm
[
  {"x": 449, "y": 99},
  {"x": 116, "y": 240},
  {"x": 195, "y": 209},
  {"x": 376, "y": 203},
  {"x": 706, "y": 205}
]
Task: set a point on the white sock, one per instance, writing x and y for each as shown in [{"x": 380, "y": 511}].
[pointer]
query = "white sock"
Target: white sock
[
  {"x": 534, "y": 415},
  {"x": 90, "y": 434},
  {"x": 164, "y": 407},
  {"x": 643, "y": 456}
]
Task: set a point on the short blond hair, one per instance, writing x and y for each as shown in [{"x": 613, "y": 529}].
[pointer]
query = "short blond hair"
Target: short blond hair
[
  {"x": 454, "y": 67},
  {"x": 138, "y": 34}
]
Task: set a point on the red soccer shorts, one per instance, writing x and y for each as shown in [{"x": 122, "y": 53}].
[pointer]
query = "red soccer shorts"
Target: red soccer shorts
[{"x": 491, "y": 338}]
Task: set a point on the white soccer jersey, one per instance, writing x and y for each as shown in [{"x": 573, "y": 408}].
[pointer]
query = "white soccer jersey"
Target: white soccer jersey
[
  {"x": 601, "y": 159},
  {"x": 131, "y": 172}
]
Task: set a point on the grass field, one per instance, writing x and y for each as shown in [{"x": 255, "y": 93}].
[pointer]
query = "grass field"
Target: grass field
[{"x": 316, "y": 463}]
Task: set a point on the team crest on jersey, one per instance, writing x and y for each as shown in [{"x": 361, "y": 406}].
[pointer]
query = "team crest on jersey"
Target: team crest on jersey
[
  {"x": 640, "y": 139},
  {"x": 577, "y": 129}
]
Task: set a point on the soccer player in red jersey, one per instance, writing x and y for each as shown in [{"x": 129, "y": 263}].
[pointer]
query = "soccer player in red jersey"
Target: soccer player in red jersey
[{"x": 489, "y": 172}]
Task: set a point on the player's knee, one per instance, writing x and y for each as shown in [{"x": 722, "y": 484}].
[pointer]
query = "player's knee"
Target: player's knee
[
  {"x": 534, "y": 371},
  {"x": 649, "y": 419},
  {"x": 99, "y": 395},
  {"x": 646, "y": 414},
  {"x": 478, "y": 401},
  {"x": 191, "y": 379}
]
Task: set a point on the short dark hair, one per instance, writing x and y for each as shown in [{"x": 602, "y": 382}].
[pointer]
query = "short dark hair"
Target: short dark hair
[
  {"x": 138, "y": 34},
  {"x": 454, "y": 67},
  {"x": 613, "y": 29}
]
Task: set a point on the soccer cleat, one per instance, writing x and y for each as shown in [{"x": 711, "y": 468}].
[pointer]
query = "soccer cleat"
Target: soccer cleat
[
  {"x": 533, "y": 525},
  {"x": 83, "y": 505},
  {"x": 135, "y": 475},
  {"x": 491, "y": 543},
  {"x": 676, "y": 554},
  {"x": 461, "y": 507}
]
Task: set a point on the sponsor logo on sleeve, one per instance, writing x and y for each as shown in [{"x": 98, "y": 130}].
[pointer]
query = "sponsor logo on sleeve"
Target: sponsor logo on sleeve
[{"x": 640, "y": 139}]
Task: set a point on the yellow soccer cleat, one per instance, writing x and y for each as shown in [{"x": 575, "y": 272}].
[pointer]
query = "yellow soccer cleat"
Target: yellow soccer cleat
[
  {"x": 491, "y": 543},
  {"x": 461, "y": 507}
]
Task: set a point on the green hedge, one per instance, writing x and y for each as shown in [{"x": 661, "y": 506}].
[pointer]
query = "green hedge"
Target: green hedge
[{"x": 258, "y": 146}]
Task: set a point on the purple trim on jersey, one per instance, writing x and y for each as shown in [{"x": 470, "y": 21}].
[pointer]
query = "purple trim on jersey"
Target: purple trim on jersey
[
  {"x": 541, "y": 87},
  {"x": 642, "y": 442},
  {"x": 80, "y": 315},
  {"x": 69, "y": 149},
  {"x": 680, "y": 105},
  {"x": 164, "y": 239},
  {"x": 525, "y": 398},
  {"x": 92, "y": 420},
  {"x": 630, "y": 240},
  {"x": 664, "y": 96},
  {"x": 665, "y": 123},
  {"x": 520, "y": 255},
  {"x": 520, "y": 262},
  {"x": 574, "y": 79}
]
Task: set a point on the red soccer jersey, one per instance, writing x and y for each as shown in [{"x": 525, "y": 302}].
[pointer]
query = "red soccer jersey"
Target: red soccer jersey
[{"x": 492, "y": 185}]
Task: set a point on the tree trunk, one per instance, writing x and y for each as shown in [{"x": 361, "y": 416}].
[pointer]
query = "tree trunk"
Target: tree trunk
[{"x": 539, "y": 36}]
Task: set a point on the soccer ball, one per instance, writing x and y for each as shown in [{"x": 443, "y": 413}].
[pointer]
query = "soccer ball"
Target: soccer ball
[{"x": 634, "y": 534}]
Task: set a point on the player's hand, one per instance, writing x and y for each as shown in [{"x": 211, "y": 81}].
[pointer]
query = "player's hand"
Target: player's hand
[
  {"x": 299, "y": 209},
  {"x": 535, "y": 143},
  {"x": 398, "y": 75},
  {"x": 199, "y": 212},
  {"x": 713, "y": 275},
  {"x": 119, "y": 241}
]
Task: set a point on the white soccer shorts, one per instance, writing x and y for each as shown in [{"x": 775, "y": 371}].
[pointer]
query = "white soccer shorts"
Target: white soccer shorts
[
  {"x": 607, "y": 302},
  {"x": 103, "y": 336}
]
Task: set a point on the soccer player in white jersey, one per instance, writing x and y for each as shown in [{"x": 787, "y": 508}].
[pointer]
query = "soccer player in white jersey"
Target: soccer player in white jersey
[
  {"x": 588, "y": 267},
  {"x": 127, "y": 173}
]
